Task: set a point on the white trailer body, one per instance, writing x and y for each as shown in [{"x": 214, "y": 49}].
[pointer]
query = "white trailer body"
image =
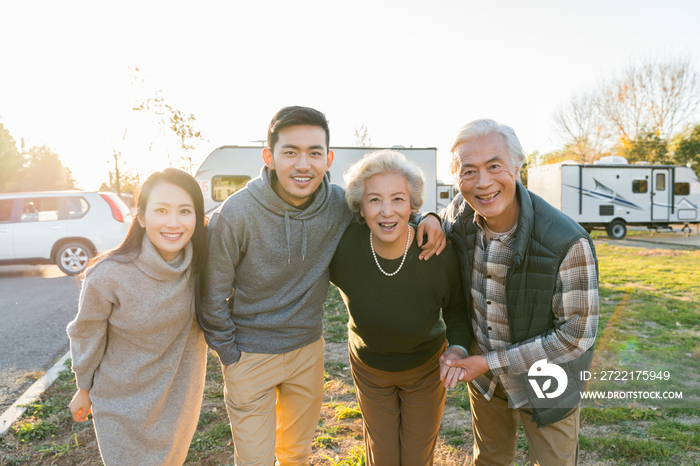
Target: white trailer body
[
  {"x": 229, "y": 168},
  {"x": 612, "y": 196}
]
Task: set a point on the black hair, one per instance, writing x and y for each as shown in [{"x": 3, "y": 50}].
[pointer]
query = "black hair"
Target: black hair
[
  {"x": 131, "y": 246},
  {"x": 295, "y": 116}
]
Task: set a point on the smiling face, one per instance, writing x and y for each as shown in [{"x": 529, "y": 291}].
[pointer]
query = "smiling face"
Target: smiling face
[
  {"x": 487, "y": 181},
  {"x": 386, "y": 207},
  {"x": 300, "y": 158},
  {"x": 169, "y": 219}
]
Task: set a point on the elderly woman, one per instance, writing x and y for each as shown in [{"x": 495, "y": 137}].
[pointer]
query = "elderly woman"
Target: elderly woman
[{"x": 396, "y": 333}]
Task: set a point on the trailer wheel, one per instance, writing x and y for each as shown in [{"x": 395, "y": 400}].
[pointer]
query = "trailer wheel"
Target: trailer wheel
[{"x": 616, "y": 229}]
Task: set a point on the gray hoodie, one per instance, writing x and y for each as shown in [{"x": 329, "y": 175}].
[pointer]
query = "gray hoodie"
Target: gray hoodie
[{"x": 276, "y": 258}]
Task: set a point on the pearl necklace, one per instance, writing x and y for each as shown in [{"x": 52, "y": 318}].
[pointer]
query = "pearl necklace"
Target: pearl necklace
[{"x": 408, "y": 243}]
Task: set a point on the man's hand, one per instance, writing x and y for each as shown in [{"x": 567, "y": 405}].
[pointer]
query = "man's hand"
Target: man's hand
[
  {"x": 81, "y": 406},
  {"x": 436, "y": 237},
  {"x": 473, "y": 366},
  {"x": 451, "y": 375}
]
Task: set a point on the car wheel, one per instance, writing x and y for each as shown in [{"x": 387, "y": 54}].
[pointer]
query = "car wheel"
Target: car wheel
[
  {"x": 616, "y": 229},
  {"x": 72, "y": 258}
]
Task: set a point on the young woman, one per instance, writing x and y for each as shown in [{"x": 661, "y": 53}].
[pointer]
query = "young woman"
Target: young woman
[
  {"x": 396, "y": 334},
  {"x": 138, "y": 354}
]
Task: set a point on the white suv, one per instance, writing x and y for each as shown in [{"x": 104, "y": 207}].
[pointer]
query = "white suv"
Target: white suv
[{"x": 63, "y": 227}]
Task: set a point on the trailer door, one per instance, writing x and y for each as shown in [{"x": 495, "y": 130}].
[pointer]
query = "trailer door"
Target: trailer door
[{"x": 660, "y": 194}]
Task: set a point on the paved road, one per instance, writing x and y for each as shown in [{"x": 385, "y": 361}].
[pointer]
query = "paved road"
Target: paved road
[
  {"x": 674, "y": 240},
  {"x": 36, "y": 304}
]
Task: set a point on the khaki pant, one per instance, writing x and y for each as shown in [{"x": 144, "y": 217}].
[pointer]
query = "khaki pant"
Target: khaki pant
[
  {"x": 401, "y": 412},
  {"x": 495, "y": 427},
  {"x": 274, "y": 402}
]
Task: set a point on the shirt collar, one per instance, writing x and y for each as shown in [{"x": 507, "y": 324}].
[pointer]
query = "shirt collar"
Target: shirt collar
[{"x": 507, "y": 238}]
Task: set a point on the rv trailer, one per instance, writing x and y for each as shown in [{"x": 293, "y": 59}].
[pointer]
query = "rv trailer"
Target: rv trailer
[
  {"x": 613, "y": 194},
  {"x": 229, "y": 168}
]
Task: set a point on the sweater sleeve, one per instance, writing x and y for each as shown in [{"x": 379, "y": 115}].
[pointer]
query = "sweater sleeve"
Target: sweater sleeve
[
  {"x": 213, "y": 315},
  {"x": 88, "y": 332},
  {"x": 454, "y": 308}
]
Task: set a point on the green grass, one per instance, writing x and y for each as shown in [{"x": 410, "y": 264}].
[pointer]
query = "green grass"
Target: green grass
[
  {"x": 31, "y": 430},
  {"x": 335, "y": 317},
  {"x": 648, "y": 303},
  {"x": 347, "y": 412},
  {"x": 459, "y": 397}
]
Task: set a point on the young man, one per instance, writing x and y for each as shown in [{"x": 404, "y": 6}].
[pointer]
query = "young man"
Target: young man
[
  {"x": 270, "y": 245},
  {"x": 531, "y": 278}
]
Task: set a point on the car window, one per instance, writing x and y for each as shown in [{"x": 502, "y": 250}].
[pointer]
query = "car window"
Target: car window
[
  {"x": 39, "y": 209},
  {"x": 6, "y": 210},
  {"x": 76, "y": 207}
]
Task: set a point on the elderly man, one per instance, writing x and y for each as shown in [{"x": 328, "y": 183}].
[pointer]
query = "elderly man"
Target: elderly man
[{"x": 530, "y": 276}]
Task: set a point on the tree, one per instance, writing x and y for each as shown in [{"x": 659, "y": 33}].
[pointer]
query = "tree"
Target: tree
[
  {"x": 11, "y": 161},
  {"x": 634, "y": 111},
  {"x": 362, "y": 137},
  {"x": 44, "y": 171},
  {"x": 646, "y": 147},
  {"x": 653, "y": 96},
  {"x": 687, "y": 150},
  {"x": 172, "y": 123},
  {"x": 583, "y": 129}
]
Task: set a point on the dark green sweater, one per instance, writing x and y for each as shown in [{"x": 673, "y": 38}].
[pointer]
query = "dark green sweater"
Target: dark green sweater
[{"x": 395, "y": 322}]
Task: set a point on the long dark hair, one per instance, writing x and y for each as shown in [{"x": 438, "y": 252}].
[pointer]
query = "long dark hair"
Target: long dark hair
[{"x": 131, "y": 246}]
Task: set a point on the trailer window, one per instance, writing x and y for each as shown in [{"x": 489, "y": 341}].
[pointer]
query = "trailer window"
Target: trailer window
[
  {"x": 661, "y": 182},
  {"x": 224, "y": 186},
  {"x": 639, "y": 186},
  {"x": 681, "y": 189}
]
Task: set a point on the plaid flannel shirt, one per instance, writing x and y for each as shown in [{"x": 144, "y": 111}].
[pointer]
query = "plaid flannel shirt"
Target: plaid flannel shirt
[{"x": 575, "y": 308}]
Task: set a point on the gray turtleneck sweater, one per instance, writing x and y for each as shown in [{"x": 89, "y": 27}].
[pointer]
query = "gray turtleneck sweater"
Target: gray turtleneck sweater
[
  {"x": 136, "y": 346},
  {"x": 276, "y": 258}
]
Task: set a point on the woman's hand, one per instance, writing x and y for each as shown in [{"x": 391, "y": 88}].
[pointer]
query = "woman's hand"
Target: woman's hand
[
  {"x": 431, "y": 226},
  {"x": 473, "y": 366},
  {"x": 81, "y": 405},
  {"x": 451, "y": 375}
]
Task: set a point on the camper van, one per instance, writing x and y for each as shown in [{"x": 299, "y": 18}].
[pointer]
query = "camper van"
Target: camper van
[
  {"x": 229, "y": 168},
  {"x": 613, "y": 194}
]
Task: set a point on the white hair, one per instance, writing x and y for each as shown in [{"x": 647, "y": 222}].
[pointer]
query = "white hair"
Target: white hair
[
  {"x": 481, "y": 128},
  {"x": 382, "y": 161}
]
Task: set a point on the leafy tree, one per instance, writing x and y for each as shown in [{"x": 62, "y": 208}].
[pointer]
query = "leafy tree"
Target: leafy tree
[
  {"x": 361, "y": 137},
  {"x": 646, "y": 147},
  {"x": 11, "y": 160},
  {"x": 688, "y": 150},
  {"x": 44, "y": 171}
]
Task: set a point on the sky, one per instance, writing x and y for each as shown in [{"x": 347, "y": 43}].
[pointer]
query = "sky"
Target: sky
[{"x": 412, "y": 72}]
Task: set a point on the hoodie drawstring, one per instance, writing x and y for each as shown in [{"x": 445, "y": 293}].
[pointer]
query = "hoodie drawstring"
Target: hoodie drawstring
[
  {"x": 303, "y": 239},
  {"x": 287, "y": 228}
]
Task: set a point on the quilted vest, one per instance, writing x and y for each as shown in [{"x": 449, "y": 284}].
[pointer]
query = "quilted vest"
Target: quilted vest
[{"x": 544, "y": 236}]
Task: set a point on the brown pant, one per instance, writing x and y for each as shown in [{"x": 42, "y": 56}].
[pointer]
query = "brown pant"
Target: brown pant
[
  {"x": 401, "y": 412},
  {"x": 495, "y": 427},
  {"x": 274, "y": 402}
]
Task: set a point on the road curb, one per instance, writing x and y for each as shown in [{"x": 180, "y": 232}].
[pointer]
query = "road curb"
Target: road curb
[{"x": 33, "y": 393}]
